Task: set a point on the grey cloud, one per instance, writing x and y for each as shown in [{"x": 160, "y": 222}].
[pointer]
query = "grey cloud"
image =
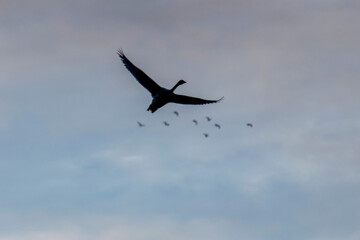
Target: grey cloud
[{"x": 290, "y": 68}]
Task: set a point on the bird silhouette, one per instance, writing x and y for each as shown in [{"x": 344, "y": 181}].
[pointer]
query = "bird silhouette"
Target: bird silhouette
[
  {"x": 208, "y": 118},
  {"x": 141, "y": 124},
  {"x": 217, "y": 125},
  {"x": 196, "y": 122},
  {"x": 249, "y": 125},
  {"x": 160, "y": 95},
  {"x": 166, "y": 124},
  {"x": 176, "y": 113},
  {"x": 206, "y": 135}
]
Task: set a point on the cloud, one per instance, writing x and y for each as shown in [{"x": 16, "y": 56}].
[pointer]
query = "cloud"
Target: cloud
[
  {"x": 131, "y": 228},
  {"x": 43, "y": 235},
  {"x": 6, "y": 117},
  {"x": 69, "y": 109}
]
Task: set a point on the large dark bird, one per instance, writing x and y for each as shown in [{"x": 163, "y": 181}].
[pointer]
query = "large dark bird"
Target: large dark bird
[
  {"x": 166, "y": 123},
  {"x": 161, "y": 96},
  {"x": 206, "y": 135},
  {"x": 208, "y": 118},
  {"x": 176, "y": 113},
  {"x": 196, "y": 122},
  {"x": 249, "y": 125},
  {"x": 217, "y": 125}
]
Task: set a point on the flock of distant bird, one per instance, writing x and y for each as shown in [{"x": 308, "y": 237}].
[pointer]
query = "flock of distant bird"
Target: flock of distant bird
[
  {"x": 162, "y": 96},
  {"x": 166, "y": 124}
]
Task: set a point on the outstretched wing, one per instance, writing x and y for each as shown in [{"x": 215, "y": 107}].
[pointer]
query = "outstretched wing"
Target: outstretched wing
[
  {"x": 140, "y": 76},
  {"x": 175, "y": 98}
]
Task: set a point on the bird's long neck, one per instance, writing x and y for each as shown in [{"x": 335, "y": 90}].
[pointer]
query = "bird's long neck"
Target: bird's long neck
[{"x": 176, "y": 85}]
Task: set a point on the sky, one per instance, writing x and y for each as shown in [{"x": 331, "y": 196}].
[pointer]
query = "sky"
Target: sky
[{"x": 75, "y": 165}]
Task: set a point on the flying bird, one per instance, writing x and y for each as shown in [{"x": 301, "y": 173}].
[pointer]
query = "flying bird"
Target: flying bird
[
  {"x": 196, "y": 122},
  {"x": 166, "y": 123},
  {"x": 217, "y": 125},
  {"x": 176, "y": 113},
  {"x": 205, "y": 135},
  {"x": 141, "y": 124},
  {"x": 208, "y": 118},
  {"x": 160, "y": 95},
  {"x": 249, "y": 125}
]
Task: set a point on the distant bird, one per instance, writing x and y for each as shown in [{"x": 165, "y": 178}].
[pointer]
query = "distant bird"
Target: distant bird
[
  {"x": 249, "y": 125},
  {"x": 166, "y": 123},
  {"x": 141, "y": 124},
  {"x": 217, "y": 125},
  {"x": 196, "y": 122},
  {"x": 208, "y": 118},
  {"x": 206, "y": 135},
  {"x": 161, "y": 96},
  {"x": 176, "y": 113}
]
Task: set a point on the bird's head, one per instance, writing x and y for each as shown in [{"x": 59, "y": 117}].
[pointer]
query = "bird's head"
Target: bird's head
[
  {"x": 181, "y": 82},
  {"x": 177, "y": 84}
]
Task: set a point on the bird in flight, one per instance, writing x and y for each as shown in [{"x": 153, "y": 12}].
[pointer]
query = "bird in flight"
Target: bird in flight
[
  {"x": 217, "y": 125},
  {"x": 160, "y": 95},
  {"x": 205, "y": 135},
  {"x": 166, "y": 123},
  {"x": 176, "y": 113},
  {"x": 249, "y": 125},
  {"x": 141, "y": 124},
  {"x": 196, "y": 122},
  {"x": 208, "y": 118}
]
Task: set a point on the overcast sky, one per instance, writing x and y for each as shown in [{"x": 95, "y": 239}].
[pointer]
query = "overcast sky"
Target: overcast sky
[{"x": 75, "y": 165}]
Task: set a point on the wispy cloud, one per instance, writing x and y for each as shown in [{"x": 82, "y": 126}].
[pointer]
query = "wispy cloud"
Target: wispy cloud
[{"x": 70, "y": 143}]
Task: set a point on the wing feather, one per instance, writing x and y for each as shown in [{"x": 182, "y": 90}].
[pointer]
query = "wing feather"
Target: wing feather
[
  {"x": 139, "y": 75},
  {"x": 182, "y": 99}
]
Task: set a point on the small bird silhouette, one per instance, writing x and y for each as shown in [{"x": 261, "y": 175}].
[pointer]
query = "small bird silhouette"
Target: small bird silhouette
[
  {"x": 166, "y": 123},
  {"x": 205, "y": 135},
  {"x": 176, "y": 113},
  {"x": 217, "y": 125},
  {"x": 208, "y": 118},
  {"x": 141, "y": 124},
  {"x": 160, "y": 95},
  {"x": 196, "y": 122},
  {"x": 249, "y": 125}
]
